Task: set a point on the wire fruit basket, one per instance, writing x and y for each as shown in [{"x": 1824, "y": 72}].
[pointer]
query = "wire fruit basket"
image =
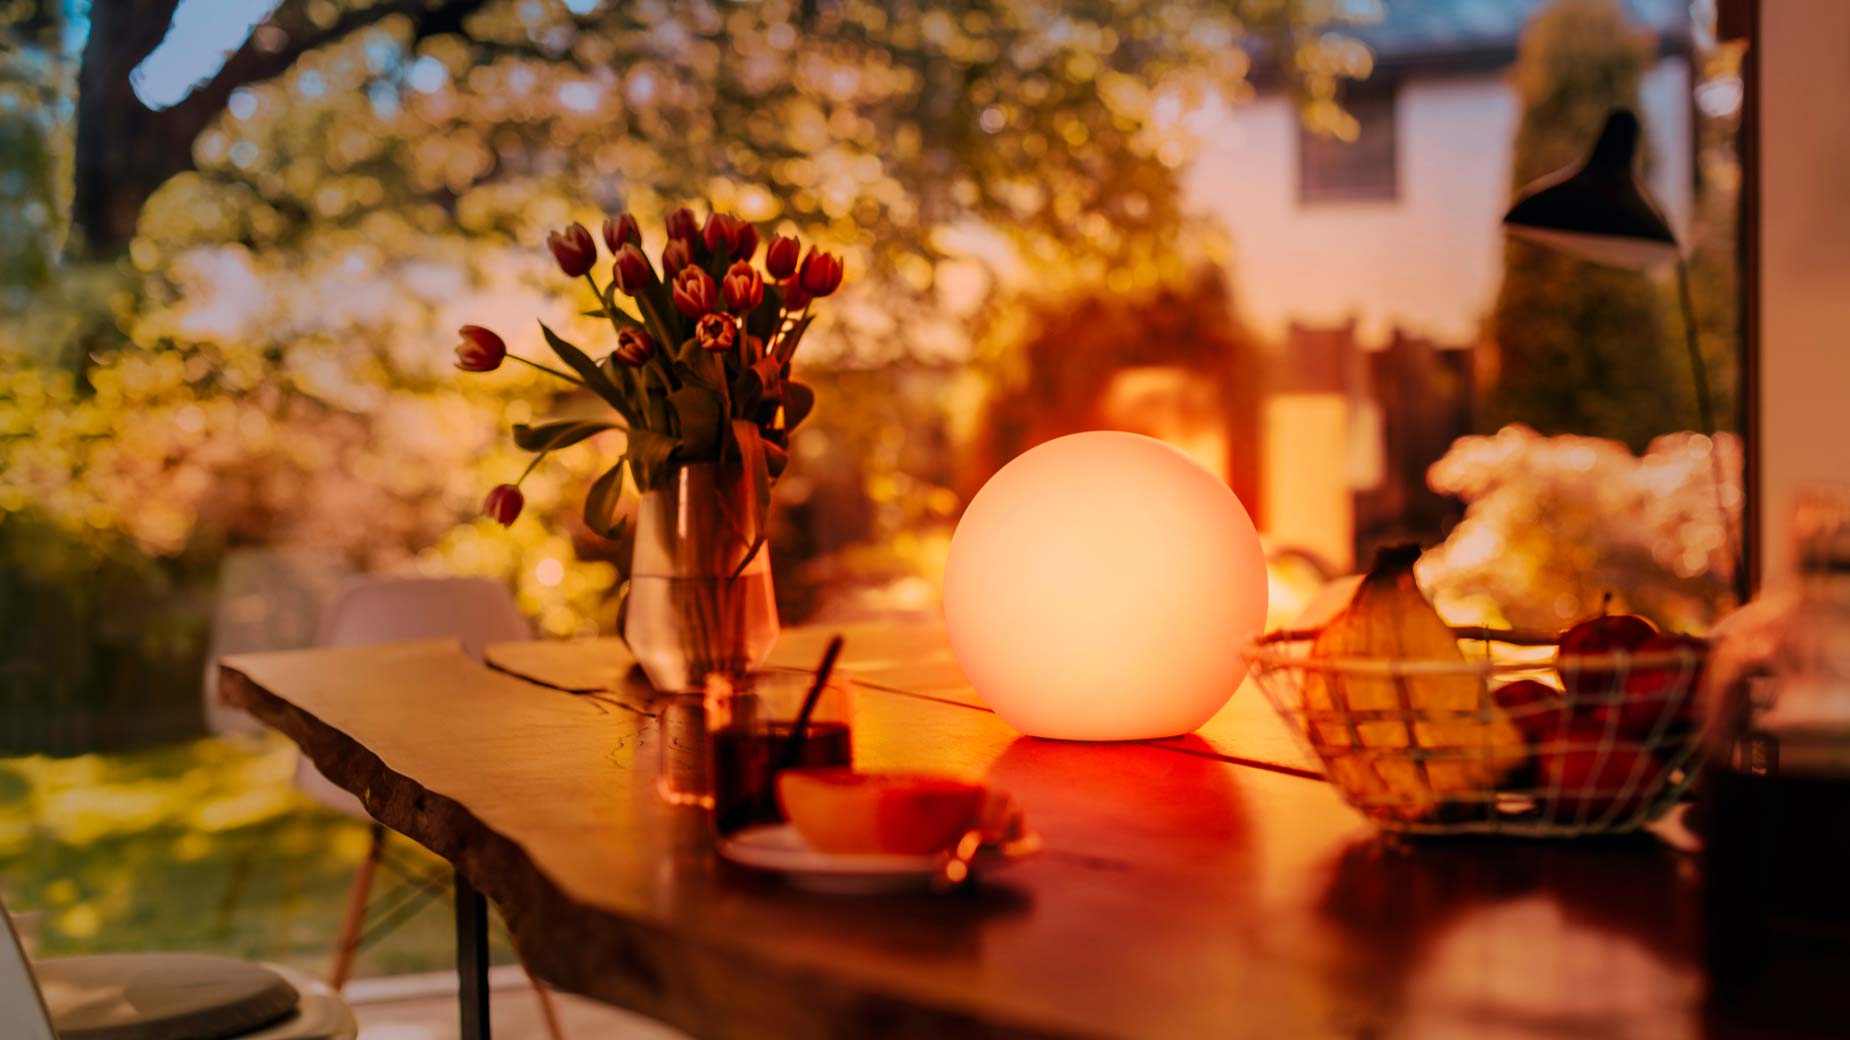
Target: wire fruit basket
[{"x": 1546, "y": 747}]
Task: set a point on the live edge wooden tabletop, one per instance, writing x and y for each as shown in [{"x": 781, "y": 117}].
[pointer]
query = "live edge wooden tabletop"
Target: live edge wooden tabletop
[{"x": 1204, "y": 887}]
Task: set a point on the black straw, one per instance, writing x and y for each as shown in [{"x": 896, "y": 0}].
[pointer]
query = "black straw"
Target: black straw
[{"x": 793, "y": 747}]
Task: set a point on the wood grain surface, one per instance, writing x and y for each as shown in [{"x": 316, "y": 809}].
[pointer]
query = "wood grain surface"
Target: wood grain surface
[{"x": 1181, "y": 894}]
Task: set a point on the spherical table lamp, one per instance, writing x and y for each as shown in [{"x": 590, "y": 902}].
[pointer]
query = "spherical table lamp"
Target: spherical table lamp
[{"x": 1102, "y": 587}]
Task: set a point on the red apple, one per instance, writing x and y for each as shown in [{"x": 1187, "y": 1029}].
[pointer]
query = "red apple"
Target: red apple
[
  {"x": 1663, "y": 692},
  {"x": 1534, "y": 707},
  {"x": 1585, "y": 777},
  {"x": 1598, "y": 637}
]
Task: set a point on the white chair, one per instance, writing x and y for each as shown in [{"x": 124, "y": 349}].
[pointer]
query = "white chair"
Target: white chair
[
  {"x": 161, "y": 996},
  {"x": 475, "y": 612},
  {"x": 268, "y": 599}
]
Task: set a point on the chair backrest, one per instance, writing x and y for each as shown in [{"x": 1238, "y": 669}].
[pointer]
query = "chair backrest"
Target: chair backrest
[
  {"x": 475, "y": 611},
  {"x": 22, "y": 1008},
  {"x": 268, "y": 599}
]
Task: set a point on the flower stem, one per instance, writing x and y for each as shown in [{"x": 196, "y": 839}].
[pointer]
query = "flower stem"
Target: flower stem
[
  {"x": 607, "y": 304},
  {"x": 548, "y": 369},
  {"x": 536, "y": 461}
]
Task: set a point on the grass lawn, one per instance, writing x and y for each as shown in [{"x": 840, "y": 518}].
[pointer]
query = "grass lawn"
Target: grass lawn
[{"x": 202, "y": 847}]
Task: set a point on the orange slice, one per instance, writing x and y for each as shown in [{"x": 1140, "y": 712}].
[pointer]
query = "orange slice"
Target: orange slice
[{"x": 909, "y": 814}]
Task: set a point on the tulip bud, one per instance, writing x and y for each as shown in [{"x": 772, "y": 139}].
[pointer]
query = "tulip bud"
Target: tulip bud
[
  {"x": 503, "y": 504},
  {"x": 743, "y": 287},
  {"x": 631, "y": 271},
  {"x": 574, "y": 249},
  {"x": 621, "y": 230},
  {"x": 682, "y": 224},
  {"x": 747, "y": 243},
  {"x": 676, "y": 255},
  {"x": 694, "y": 292},
  {"x": 480, "y": 349},
  {"x": 781, "y": 256},
  {"x": 716, "y": 332},
  {"x": 821, "y": 273},
  {"x": 634, "y": 347},
  {"x": 795, "y": 299},
  {"x": 721, "y": 232}
]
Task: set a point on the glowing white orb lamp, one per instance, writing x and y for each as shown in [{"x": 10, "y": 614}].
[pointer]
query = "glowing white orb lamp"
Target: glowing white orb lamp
[{"x": 1102, "y": 587}]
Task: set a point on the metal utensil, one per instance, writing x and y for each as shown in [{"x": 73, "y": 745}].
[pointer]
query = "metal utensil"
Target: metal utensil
[{"x": 953, "y": 866}]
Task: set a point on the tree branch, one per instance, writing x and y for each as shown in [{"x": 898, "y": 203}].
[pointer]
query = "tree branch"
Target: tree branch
[{"x": 262, "y": 58}]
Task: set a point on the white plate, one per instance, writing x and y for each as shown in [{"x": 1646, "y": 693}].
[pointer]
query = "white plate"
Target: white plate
[{"x": 778, "y": 848}]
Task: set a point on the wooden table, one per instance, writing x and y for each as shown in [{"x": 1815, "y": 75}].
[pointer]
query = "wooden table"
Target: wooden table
[{"x": 1209, "y": 886}]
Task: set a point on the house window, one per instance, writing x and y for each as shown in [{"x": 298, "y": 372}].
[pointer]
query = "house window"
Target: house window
[{"x": 1363, "y": 170}]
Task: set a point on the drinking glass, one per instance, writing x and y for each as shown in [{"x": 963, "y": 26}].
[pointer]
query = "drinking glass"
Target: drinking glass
[{"x": 750, "y": 723}]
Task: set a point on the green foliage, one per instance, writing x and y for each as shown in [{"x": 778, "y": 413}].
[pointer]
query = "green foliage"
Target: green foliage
[
  {"x": 35, "y": 107},
  {"x": 203, "y": 847},
  {"x": 100, "y": 646},
  {"x": 1581, "y": 347}
]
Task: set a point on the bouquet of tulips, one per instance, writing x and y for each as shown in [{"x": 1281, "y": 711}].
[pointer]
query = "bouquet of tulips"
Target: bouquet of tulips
[{"x": 701, "y": 367}]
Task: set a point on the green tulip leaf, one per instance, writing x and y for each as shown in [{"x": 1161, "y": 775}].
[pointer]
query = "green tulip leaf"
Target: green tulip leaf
[
  {"x": 594, "y": 378},
  {"x": 799, "y": 401},
  {"x": 763, "y": 319},
  {"x": 699, "y": 366},
  {"x": 601, "y": 502},
  {"x": 787, "y": 346},
  {"x": 759, "y": 382},
  {"x": 700, "y": 415},
  {"x": 650, "y": 455},
  {"x": 555, "y": 435},
  {"x": 757, "y": 468}
]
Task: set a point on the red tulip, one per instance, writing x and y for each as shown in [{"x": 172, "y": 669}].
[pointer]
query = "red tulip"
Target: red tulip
[
  {"x": 635, "y": 347},
  {"x": 716, "y": 332},
  {"x": 676, "y": 255},
  {"x": 503, "y": 504},
  {"x": 621, "y": 230},
  {"x": 821, "y": 273},
  {"x": 747, "y": 243},
  {"x": 683, "y": 224},
  {"x": 480, "y": 349},
  {"x": 631, "y": 271},
  {"x": 694, "y": 292},
  {"x": 719, "y": 231},
  {"x": 795, "y": 299},
  {"x": 743, "y": 287},
  {"x": 781, "y": 256},
  {"x": 573, "y": 248}
]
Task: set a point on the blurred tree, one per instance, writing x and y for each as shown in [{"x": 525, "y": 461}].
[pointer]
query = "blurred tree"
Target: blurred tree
[
  {"x": 1581, "y": 347},
  {"x": 1553, "y": 525},
  {"x": 34, "y": 92},
  {"x": 126, "y": 148},
  {"x": 1714, "y": 237},
  {"x": 263, "y": 353}
]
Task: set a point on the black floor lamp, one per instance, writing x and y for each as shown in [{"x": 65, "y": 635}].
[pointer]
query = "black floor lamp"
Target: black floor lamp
[{"x": 1598, "y": 211}]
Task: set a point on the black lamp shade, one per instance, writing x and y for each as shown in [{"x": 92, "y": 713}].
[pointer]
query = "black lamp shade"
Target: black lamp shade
[{"x": 1598, "y": 210}]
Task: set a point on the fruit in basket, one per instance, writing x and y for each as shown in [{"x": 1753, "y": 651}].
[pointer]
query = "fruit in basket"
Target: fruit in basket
[
  {"x": 1403, "y": 742},
  {"x": 1660, "y": 694},
  {"x": 1588, "y": 776},
  {"x": 906, "y": 814},
  {"x": 1593, "y": 640},
  {"x": 1534, "y": 706}
]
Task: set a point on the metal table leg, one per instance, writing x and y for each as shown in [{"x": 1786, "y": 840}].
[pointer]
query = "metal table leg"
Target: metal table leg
[{"x": 472, "y": 959}]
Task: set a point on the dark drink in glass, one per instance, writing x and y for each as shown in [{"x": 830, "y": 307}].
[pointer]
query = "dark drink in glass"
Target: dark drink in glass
[{"x": 745, "y": 762}]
